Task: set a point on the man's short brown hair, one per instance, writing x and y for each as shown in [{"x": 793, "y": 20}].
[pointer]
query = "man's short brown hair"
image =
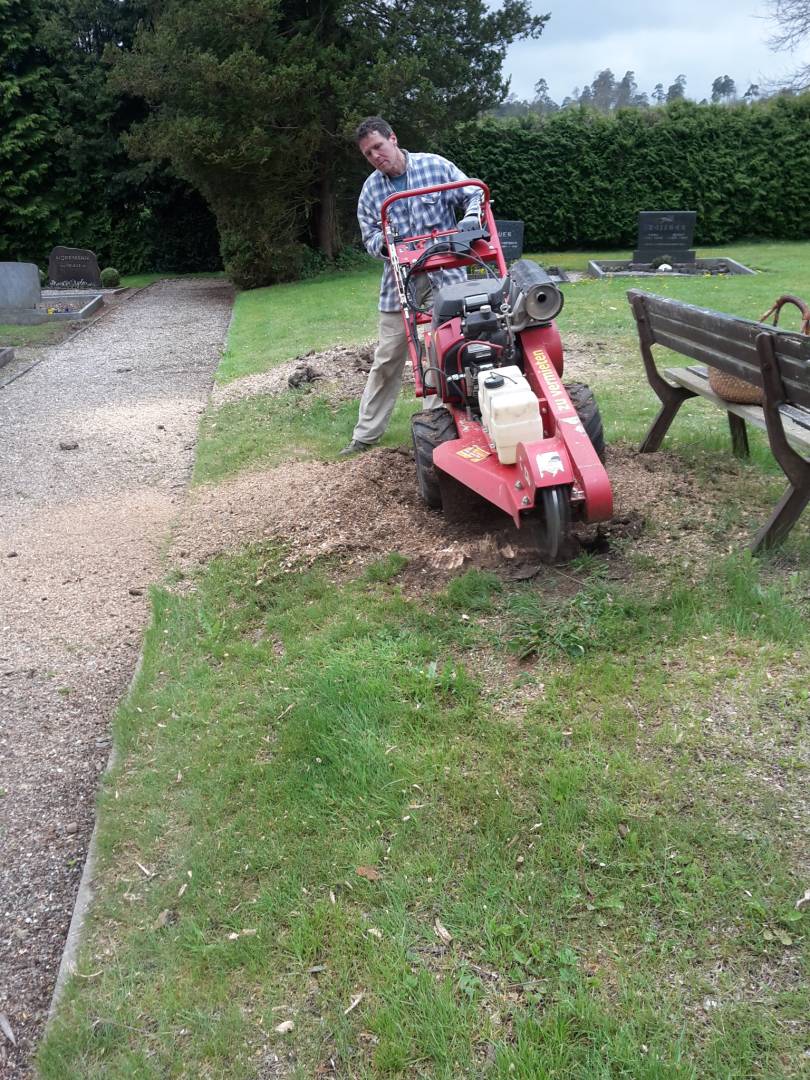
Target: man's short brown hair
[{"x": 372, "y": 124}]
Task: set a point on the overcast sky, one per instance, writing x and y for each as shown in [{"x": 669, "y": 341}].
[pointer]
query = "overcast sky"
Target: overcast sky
[{"x": 700, "y": 39}]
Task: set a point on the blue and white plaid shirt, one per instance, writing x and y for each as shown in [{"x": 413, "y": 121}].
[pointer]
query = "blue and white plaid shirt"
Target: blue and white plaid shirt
[{"x": 414, "y": 217}]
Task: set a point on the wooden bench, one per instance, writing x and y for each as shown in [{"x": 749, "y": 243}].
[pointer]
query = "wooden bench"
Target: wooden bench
[{"x": 776, "y": 360}]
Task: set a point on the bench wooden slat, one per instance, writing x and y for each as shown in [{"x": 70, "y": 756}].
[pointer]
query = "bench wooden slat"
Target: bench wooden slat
[
  {"x": 689, "y": 340},
  {"x": 795, "y": 376},
  {"x": 692, "y": 321},
  {"x": 799, "y": 416},
  {"x": 742, "y": 349},
  {"x": 709, "y": 351},
  {"x": 796, "y": 423},
  {"x": 738, "y": 357}
]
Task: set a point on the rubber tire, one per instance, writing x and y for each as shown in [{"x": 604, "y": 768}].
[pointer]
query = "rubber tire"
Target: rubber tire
[
  {"x": 583, "y": 400},
  {"x": 551, "y": 522},
  {"x": 430, "y": 429}
]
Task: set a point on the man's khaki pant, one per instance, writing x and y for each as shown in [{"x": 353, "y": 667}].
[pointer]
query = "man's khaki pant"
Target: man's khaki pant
[{"x": 385, "y": 379}]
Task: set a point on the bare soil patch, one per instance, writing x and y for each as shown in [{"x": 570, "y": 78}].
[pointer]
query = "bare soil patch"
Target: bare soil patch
[
  {"x": 337, "y": 374},
  {"x": 367, "y": 506}
]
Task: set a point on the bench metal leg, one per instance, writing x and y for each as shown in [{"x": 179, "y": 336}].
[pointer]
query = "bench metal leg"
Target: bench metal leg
[
  {"x": 672, "y": 398},
  {"x": 787, "y": 513},
  {"x": 739, "y": 436}
]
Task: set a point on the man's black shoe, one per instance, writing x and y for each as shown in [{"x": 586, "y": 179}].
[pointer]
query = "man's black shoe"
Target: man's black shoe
[{"x": 355, "y": 447}]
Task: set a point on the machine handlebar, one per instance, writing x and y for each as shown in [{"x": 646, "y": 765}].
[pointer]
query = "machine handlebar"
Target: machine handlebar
[{"x": 429, "y": 191}]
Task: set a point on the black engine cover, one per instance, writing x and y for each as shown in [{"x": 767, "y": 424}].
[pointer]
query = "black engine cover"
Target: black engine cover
[{"x": 449, "y": 301}]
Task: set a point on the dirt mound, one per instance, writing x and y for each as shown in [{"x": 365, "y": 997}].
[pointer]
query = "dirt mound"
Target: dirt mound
[
  {"x": 367, "y": 506},
  {"x": 339, "y": 374},
  {"x": 361, "y": 509}
]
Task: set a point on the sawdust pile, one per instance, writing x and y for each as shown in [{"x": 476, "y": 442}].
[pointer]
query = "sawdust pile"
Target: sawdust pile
[
  {"x": 338, "y": 374},
  {"x": 367, "y": 506}
]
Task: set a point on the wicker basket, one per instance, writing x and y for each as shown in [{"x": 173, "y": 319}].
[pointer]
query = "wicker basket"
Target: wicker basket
[{"x": 729, "y": 387}]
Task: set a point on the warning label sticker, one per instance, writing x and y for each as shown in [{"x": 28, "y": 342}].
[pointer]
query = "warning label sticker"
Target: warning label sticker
[{"x": 473, "y": 453}]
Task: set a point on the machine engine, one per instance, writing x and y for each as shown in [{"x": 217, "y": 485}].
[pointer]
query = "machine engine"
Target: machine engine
[{"x": 475, "y": 322}]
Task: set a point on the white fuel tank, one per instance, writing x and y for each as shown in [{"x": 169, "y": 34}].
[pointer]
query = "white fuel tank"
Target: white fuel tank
[{"x": 510, "y": 413}]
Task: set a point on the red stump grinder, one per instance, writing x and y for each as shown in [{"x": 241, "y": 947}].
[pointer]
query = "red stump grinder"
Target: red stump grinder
[{"x": 509, "y": 429}]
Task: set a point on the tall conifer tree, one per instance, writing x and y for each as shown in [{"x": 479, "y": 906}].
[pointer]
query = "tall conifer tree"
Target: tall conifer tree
[
  {"x": 253, "y": 103},
  {"x": 29, "y": 127}
]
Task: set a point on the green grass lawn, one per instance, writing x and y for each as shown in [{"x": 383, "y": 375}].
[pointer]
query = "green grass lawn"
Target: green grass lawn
[
  {"x": 783, "y": 268},
  {"x": 275, "y": 324},
  {"x": 539, "y": 829},
  {"x": 39, "y": 335}
]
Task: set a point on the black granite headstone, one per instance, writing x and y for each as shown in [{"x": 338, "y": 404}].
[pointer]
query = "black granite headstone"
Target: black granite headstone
[
  {"x": 511, "y": 236},
  {"x": 665, "y": 232},
  {"x": 73, "y": 264}
]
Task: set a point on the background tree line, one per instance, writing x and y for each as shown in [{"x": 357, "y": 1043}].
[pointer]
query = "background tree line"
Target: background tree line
[
  {"x": 607, "y": 94},
  {"x": 187, "y": 134},
  {"x": 65, "y": 174}
]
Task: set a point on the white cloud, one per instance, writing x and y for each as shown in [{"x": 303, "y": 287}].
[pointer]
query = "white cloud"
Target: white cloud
[{"x": 700, "y": 40}]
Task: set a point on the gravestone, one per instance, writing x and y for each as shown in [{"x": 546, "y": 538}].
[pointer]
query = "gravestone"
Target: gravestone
[
  {"x": 511, "y": 236},
  {"x": 665, "y": 232},
  {"x": 19, "y": 294},
  {"x": 19, "y": 285},
  {"x": 73, "y": 264}
]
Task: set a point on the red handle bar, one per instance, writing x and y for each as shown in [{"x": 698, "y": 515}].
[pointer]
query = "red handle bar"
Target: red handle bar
[{"x": 427, "y": 191}]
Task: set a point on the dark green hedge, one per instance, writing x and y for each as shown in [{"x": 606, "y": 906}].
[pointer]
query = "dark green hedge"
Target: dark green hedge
[
  {"x": 159, "y": 225},
  {"x": 579, "y": 179}
]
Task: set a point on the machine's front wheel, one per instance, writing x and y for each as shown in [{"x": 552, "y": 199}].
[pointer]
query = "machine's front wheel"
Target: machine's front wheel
[
  {"x": 430, "y": 429},
  {"x": 551, "y": 522},
  {"x": 584, "y": 402}
]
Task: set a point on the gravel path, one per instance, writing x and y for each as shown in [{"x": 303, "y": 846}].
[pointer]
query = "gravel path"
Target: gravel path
[{"x": 97, "y": 447}]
